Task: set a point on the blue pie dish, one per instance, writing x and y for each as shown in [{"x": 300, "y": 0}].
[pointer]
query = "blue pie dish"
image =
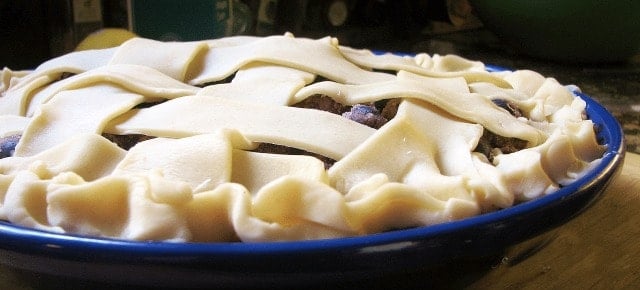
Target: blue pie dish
[{"x": 317, "y": 262}]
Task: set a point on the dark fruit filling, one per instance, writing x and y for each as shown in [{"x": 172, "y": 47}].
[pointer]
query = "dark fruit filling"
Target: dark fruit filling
[
  {"x": 8, "y": 145},
  {"x": 366, "y": 115}
]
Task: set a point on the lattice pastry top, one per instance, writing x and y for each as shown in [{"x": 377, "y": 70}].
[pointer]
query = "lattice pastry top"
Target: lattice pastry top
[{"x": 277, "y": 138}]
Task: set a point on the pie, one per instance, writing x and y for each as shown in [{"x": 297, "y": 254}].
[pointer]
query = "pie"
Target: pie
[{"x": 277, "y": 138}]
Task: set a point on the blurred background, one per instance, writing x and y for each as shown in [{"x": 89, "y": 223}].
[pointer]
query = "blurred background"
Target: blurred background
[
  {"x": 571, "y": 31},
  {"x": 36, "y": 30},
  {"x": 589, "y": 43}
]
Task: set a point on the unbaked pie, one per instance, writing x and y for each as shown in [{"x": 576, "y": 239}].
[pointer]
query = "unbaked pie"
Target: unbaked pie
[{"x": 277, "y": 138}]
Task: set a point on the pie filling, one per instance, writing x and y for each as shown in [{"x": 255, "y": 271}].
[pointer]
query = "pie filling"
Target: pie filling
[{"x": 277, "y": 138}]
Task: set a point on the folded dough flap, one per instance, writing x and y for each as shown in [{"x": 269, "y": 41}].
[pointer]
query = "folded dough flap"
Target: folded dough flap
[
  {"x": 254, "y": 169},
  {"x": 90, "y": 156},
  {"x": 293, "y": 200},
  {"x": 312, "y": 130},
  {"x": 98, "y": 208},
  {"x": 15, "y": 101},
  {"x": 525, "y": 174},
  {"x": 201, "y": 161},
  {"x": 398, "y": 138},
  {"x": 571, "y": 150},
  {"x": 456, "y": 140},
  {"x": 114, "y": 206},
  {"x": 394, "y": 205},
  {"x": 24, "y": 202},
  {"x": 9, "y": 78}
]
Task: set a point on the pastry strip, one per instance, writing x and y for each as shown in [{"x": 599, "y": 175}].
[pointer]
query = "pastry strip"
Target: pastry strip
[
  {"x": 72, "y": 112},
  {"x": 448, "y": 66},
  {"x": 173, "y": 59},
  {"x": 137, "y": 79},
  {"x": 320, "y": 57},
  {"x": 315, "y": 131},
  {"x": 470, "y": 107},
  {"x": 262, "y": 83}
]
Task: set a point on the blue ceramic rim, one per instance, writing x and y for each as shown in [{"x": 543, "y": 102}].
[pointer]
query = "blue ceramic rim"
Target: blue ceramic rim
[{"x": 27, "y": 239}]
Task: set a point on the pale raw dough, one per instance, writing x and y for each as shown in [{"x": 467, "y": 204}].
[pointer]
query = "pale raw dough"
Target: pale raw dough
[{"x": 209, "y": 104}]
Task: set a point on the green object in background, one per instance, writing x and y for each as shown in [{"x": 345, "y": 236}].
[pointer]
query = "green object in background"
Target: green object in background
[
  {"x": 581, "y": 31},
  {"x": 170, "y": 20}
]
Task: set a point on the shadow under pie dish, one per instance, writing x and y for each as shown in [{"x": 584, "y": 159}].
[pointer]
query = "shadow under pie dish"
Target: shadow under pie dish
[{"x": 330, "y": 256}]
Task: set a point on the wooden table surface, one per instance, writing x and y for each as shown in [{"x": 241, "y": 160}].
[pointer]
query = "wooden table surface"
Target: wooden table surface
[{"x": 599, "y": 249}]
